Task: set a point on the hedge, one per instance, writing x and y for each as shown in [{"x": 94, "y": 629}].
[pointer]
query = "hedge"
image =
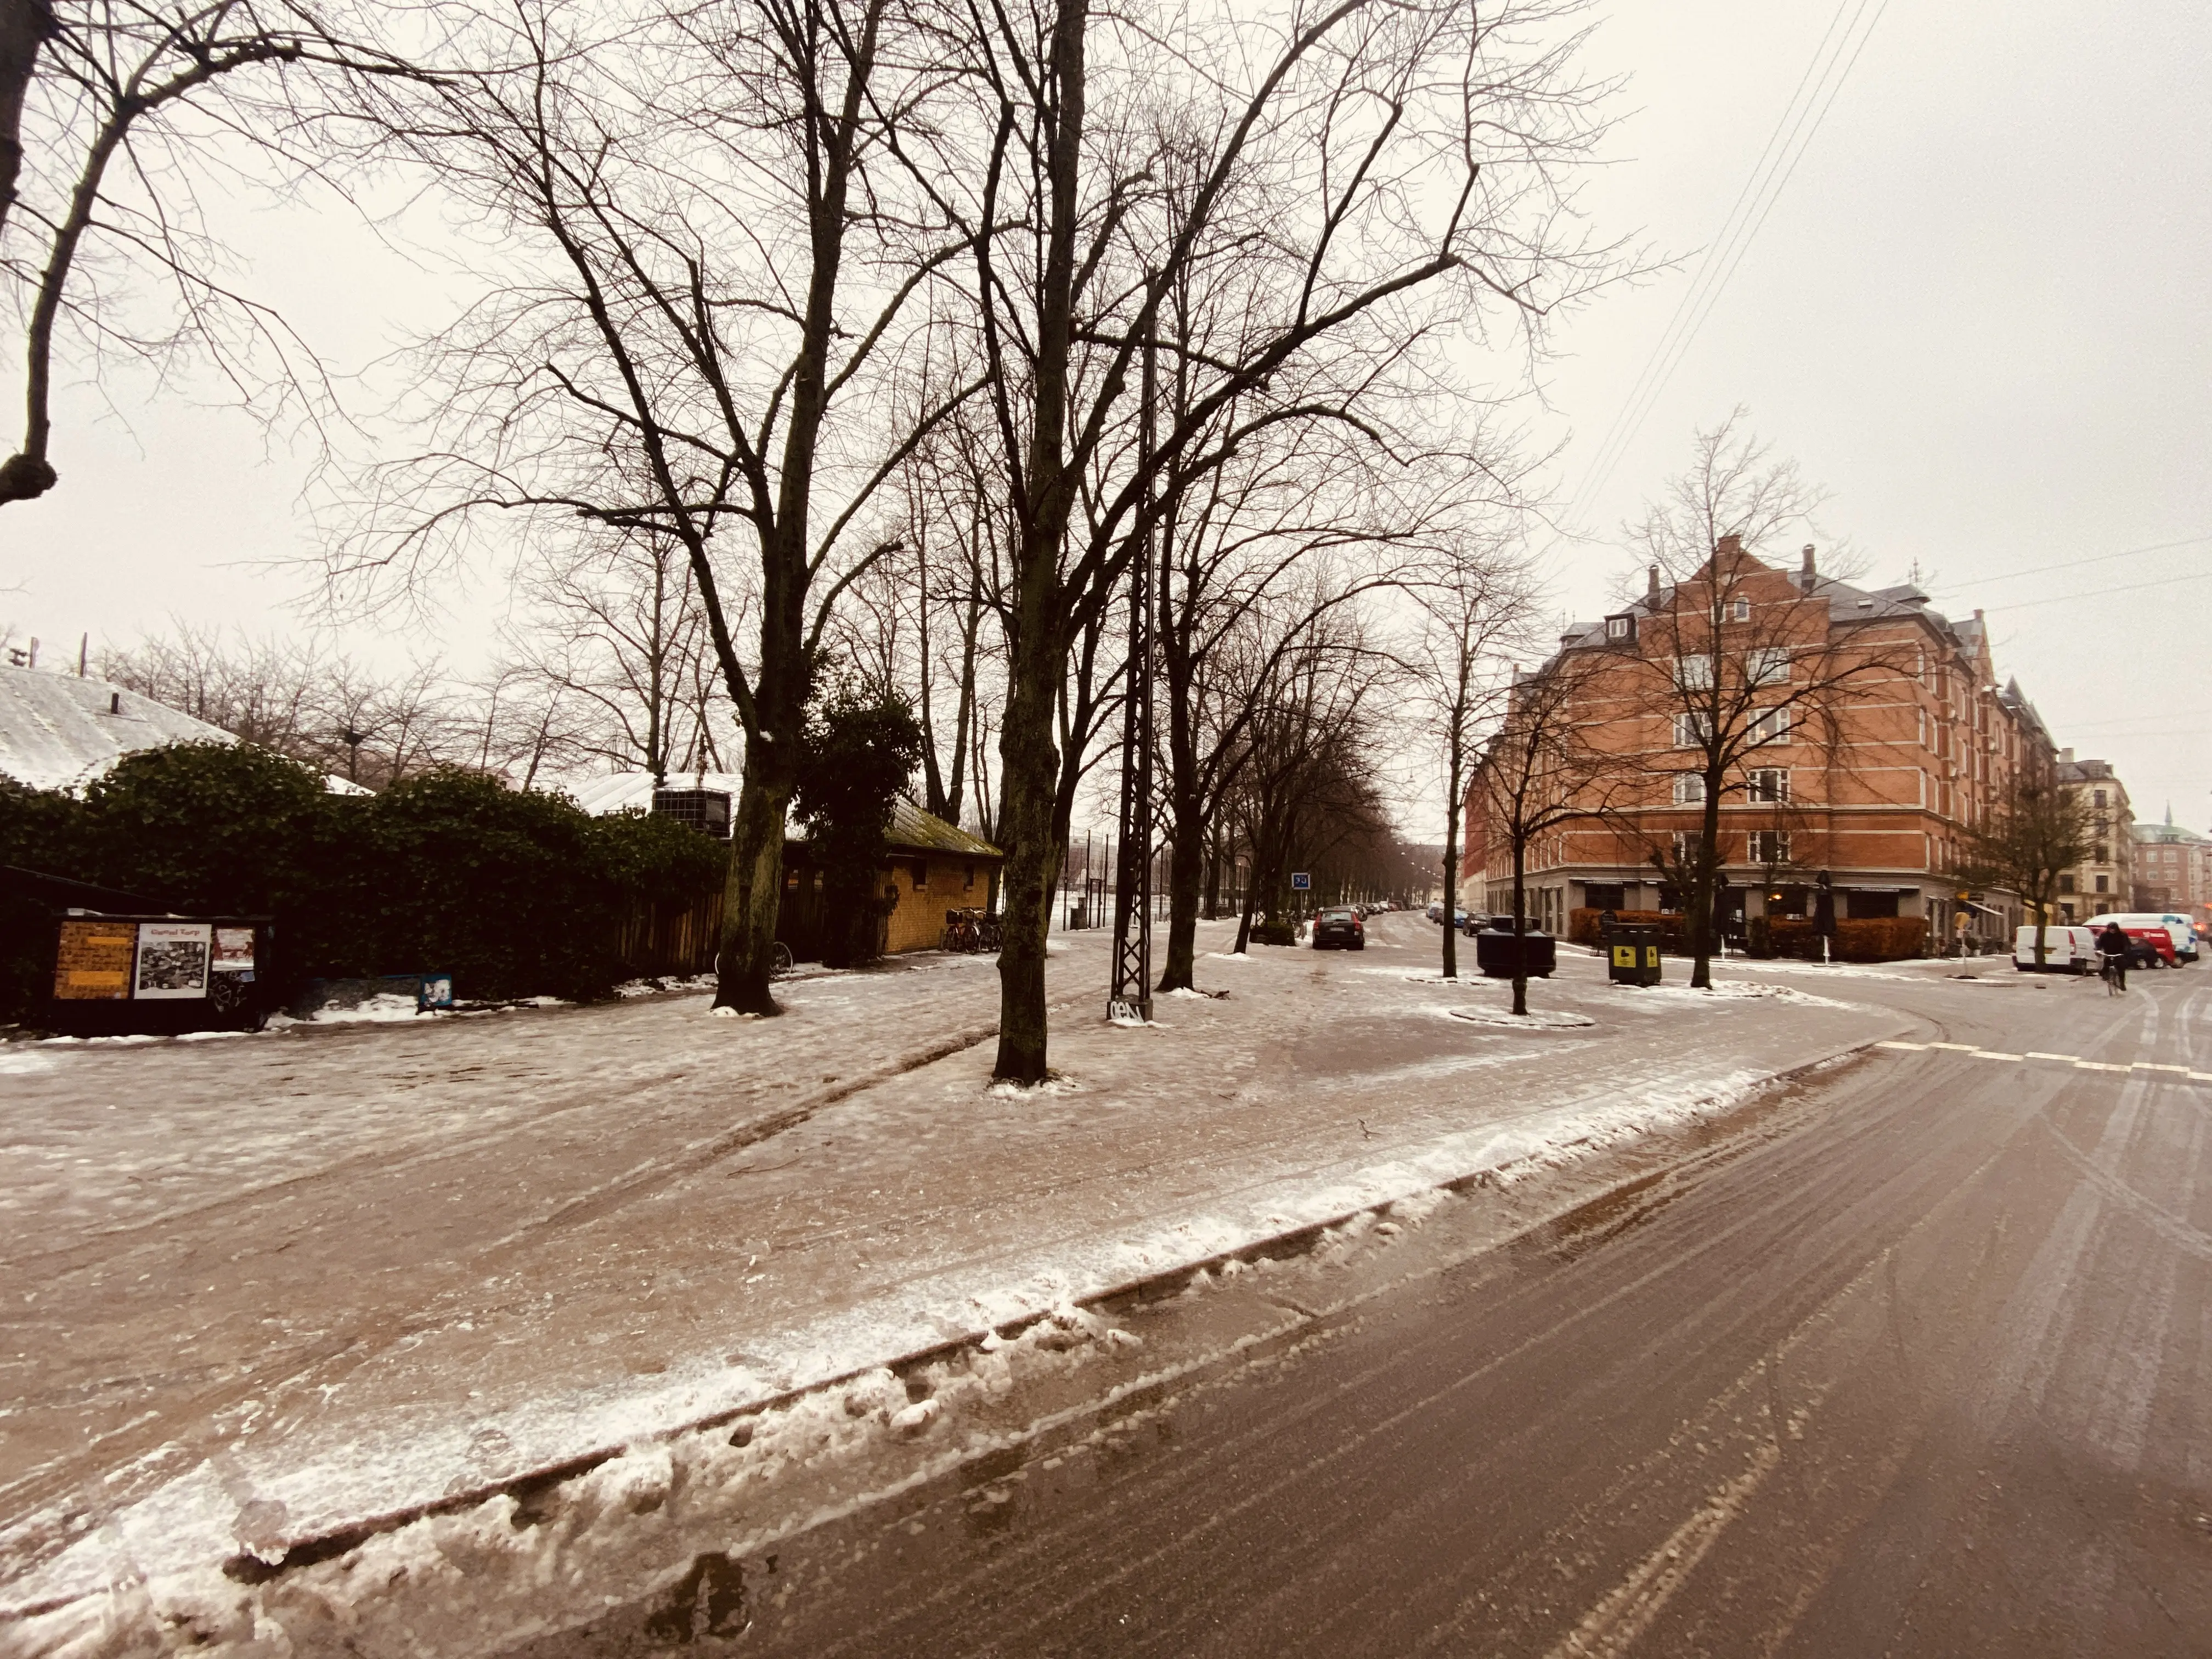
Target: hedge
[
  {"x": 1885, "y": 939},
  {"x": 514, "y": 892},
  {"x": 1582, "y": 927}
]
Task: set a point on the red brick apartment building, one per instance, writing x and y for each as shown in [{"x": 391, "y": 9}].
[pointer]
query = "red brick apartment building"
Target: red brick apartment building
[{"x": 1877, "y": 787}]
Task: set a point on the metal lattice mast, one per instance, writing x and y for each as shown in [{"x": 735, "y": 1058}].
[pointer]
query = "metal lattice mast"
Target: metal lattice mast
[{"x": 1131, "y": 994}]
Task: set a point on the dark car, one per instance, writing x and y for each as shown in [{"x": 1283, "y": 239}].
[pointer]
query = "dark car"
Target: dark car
[{"x": 1339, "y": 928}]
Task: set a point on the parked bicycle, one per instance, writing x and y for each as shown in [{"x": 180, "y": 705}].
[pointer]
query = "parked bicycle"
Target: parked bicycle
[{"x": 971, "y": 931}]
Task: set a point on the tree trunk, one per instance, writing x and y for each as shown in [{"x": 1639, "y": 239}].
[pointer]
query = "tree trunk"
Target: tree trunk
[
  {"x": 1186, "y": 875},
  {"x": 753, "y": 889},
  {"x": 1245, "y": 915},
  {"x": 1702, "y": 896},
  {"x": 24, "y": 26},
  {"x": 1451, "y": 869},
  {"x": 1029, "y": 781},
  {"x": 1520, "y": 927}
]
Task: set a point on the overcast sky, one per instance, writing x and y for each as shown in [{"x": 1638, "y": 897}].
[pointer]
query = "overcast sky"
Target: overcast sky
[{"x": 1978, "y": 313}]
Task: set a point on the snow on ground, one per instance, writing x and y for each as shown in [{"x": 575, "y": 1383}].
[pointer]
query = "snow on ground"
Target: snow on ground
[
  {"x": 1537, "y": 1019},
  {"x": 426, "y": 1257}
]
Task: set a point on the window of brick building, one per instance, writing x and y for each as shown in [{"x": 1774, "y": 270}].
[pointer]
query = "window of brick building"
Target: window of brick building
[
  {"x": 1605, "y": 896},
  {"x": 1740, "y": 611},
  {"x": 1869, "y": 907},
  {"x": 2103, "y": 884},
  {"x": 2066, "y": 882},
  {"x": 1770, "y": 727},
  {"x": 1769, "y": 784},
  {"x": 1689, "y": 789},
  {"x": 921, "y": 875},
  {"x": 1689, "y": 731},
  {"x": 1769, "y": 847}
]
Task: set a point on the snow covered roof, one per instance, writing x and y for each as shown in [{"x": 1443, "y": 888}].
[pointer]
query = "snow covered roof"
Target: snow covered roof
[
  {"x": 911, "y": 826},
  {"x": 58, "y": 731}
]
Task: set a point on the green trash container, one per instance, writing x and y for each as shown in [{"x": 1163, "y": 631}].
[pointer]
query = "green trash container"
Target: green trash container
[{"x": 1631, "y": 951}]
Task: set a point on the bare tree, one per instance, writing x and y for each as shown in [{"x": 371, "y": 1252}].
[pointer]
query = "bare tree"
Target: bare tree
[
  {"x": 332, "y": 713},
  {"x": 1472, "y": 602},
  {"x": 1538, "y": 773},
  {"x": 616, "y": 636},
  {"x": 123, "y": 109},
  {"x": 714, "y": 322},
  {"x": 2037, "y": 834},
  {"x": 1349, "y": 165},
  {"x": 1730, "y": 651}
]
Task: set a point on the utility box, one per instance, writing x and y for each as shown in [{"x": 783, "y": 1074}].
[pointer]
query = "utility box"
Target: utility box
[
  {"x": 1494, "y": 948},
  {"x": 1632, "y": 951}
]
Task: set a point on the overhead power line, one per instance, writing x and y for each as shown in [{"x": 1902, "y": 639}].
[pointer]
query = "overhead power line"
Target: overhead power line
[
  {"x": 2071, "y": 564},
  {"x": 1831, "y": 65},
  {"x": 2099, "y": 593}
]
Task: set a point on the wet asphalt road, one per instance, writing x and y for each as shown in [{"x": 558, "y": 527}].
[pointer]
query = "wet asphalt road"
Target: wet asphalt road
[{"x": 1920, "y": 1363}]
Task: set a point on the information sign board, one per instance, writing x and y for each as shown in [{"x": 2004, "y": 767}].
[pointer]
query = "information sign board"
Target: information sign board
[
  {"x": 1301, "y": 881},
  {"x": 173, "y": 960},
  {"x": 93, "y": 961}
]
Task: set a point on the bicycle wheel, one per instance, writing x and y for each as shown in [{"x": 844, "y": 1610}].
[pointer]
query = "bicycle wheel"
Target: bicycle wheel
[{"x": 779, "y": 964}]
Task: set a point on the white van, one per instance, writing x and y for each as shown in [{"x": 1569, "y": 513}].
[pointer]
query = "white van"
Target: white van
[
  {"x": 2066, "y": 949},
  {"x": 2176, "y": 928}
]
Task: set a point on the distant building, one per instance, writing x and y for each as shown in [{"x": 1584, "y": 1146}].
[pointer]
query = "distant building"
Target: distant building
[
  {"x": 2173, "y": 870},
  {"x": 63, "y": 731},
  {"x": 57, "y": 731},
  {"x": 1885, "y": 803},
  {"x": 933, "y": 866},
  {"x": 2104, "y": 881}
]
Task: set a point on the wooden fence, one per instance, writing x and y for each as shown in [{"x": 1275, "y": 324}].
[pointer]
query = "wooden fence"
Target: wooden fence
[{"x": 671, "y": 941}]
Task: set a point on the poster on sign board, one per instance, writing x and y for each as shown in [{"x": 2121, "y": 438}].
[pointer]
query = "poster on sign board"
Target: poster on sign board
[
  {"x": 233, "y": 950},
  {"x": 93, "y": 961},
  {"x": 173, "y": 959}
]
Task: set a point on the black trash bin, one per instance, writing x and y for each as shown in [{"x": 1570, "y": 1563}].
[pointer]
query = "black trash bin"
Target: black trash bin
[
  {"x": 1494, "y": 947},
  {"x": 1631, "y": 951}
]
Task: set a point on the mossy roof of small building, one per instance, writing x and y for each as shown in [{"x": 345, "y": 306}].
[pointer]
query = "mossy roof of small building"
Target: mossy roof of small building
[{"x": 913, "y": 829}]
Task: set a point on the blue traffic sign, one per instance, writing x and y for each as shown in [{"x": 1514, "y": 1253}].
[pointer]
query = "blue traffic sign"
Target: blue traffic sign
[{"x": 1301, "y": 881}]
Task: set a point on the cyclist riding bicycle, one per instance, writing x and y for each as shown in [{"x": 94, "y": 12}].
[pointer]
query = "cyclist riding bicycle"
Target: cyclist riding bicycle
[{"x": 2113, "y": 945}]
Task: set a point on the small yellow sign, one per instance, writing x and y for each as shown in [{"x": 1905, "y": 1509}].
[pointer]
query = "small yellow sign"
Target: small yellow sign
[
  {"x": 1650, "y": 956},
  {"x": 1624, "y": 955}
]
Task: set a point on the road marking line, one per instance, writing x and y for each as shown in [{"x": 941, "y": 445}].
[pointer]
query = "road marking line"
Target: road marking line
[{"x": 2075, "y": 1060}]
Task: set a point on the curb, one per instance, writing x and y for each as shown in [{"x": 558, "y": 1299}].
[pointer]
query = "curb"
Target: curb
[{"x": 248, "y": 1568}]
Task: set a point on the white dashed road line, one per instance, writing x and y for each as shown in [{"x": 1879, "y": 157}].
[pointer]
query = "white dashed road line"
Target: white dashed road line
[{"x": 2075, "y": 1060}]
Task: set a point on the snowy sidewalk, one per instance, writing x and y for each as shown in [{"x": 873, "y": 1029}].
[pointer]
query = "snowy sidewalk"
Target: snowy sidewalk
[{"x": 273, "y": 1288}]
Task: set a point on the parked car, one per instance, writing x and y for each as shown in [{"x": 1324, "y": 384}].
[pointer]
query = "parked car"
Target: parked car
[
  {"x": 1339, "y": 929},
  {"x": 1436, "y": 913},
  {"x": 2066, "y": 949},
  {"x": 2158, "y": 942}
]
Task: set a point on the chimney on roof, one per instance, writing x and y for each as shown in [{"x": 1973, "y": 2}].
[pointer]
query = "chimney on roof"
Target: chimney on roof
[
  {"x": 1730, "y": 548},
  {"x": 1806, "y": 573},
  {"x": 2066, "y": 756},
  {"x": 1651, "y": 581}
]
